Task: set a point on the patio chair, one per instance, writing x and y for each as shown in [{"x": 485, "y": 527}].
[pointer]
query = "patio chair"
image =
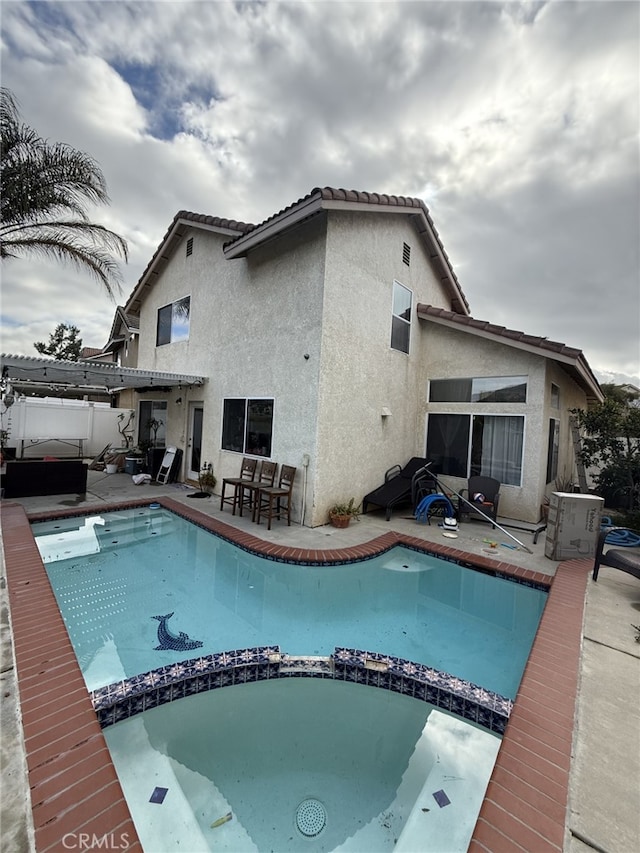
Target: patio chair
[
  {"x": 247, "y": 472},
  {"x": 274, "y": 500},
  {"x": 397, "y": 487},
  {"x": 625, "y": 561},
  {"x": 248, "y": 489},
  {"x": 481, "y": 499}
]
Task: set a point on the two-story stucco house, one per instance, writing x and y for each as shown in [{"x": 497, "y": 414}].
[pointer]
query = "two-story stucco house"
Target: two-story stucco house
[{"x": 335, "y": 337}]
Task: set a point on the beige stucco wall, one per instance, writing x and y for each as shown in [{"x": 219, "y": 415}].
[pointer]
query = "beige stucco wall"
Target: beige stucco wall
[
  {"x": 450, "y": 353},
  {"x": 252, "y": 323},
  {"x": 360, "y": 374}
]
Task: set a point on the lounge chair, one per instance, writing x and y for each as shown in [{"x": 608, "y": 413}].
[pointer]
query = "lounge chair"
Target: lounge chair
[
  {"x": 625, "y": 561},
  {"x": 401, "y": 486}
]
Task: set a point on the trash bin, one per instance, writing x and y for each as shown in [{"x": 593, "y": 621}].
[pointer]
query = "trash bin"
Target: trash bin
[{"x": 133, "y": 465}]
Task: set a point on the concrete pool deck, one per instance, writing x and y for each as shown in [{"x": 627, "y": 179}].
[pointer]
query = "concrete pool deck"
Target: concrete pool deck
[{"x": 602, "y": 761}]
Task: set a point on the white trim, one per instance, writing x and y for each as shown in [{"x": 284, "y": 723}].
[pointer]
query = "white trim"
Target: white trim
[{"x": 83, "y": 374}]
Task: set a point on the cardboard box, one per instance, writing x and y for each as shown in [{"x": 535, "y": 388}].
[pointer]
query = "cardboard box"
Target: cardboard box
[{"x": 573, "y": 526}]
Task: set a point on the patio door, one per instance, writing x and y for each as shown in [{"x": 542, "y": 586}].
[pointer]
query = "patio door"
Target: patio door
[{"x": 194, "y": 445}]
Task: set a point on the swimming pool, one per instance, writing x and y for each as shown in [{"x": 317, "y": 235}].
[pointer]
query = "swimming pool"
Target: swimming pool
[
  {"x": 119, "y": 575},
  {"x": 142, "y": 588}
]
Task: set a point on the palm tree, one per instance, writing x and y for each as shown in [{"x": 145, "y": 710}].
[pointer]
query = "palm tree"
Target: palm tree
[{"x": 45, "y": 190}]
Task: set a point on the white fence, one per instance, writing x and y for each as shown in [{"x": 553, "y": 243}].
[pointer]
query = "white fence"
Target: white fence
[{"x": 47, "y": 426}]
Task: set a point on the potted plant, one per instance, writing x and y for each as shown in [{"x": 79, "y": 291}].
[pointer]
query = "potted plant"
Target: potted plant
[
  {"x": 340, "y": 514},
  {"x": 206, "y": 482}
]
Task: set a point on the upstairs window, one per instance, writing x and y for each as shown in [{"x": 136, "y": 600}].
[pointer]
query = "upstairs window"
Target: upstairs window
[
  {"x": 401, "y": 319},
  {"x": 555, "y": 396},
  {"x": 173, "y": 322}
]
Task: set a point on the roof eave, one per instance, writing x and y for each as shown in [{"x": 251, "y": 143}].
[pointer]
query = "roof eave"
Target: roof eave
[
  {"x": 274, "y": 227},
  {"x": 575, "y": 364}
]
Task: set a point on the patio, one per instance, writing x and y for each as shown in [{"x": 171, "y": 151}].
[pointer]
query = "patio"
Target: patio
[{"x": 603, "y": 800}]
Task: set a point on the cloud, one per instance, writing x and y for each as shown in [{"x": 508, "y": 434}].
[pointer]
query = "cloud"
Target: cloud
[{"x": 516, "y": 122}]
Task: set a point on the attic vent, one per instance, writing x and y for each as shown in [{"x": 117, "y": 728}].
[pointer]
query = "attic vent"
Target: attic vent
[
  {"x": 189, "y": 246},
  {"x": 406, "y": 254}
]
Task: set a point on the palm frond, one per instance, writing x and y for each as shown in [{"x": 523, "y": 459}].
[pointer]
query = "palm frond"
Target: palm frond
[
  {"x": 61, "y": 242},
  {"x": 45, "y": 189}
]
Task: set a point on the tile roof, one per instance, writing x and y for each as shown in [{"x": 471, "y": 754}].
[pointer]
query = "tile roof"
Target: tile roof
[
  {"x": 355, "y": 196},
  {"x": 561, "y": 351},
  {"x": 320, "y": 198},
  {"x": 331, "y": 197}
]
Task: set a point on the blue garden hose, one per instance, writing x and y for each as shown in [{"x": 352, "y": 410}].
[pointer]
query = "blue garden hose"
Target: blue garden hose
[{"x": 621, "y": 538}]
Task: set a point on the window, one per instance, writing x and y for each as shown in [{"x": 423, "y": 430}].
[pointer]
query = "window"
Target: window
[
  {"x": 173, "y": 322},
  {"x": 153, "y": 410},
  {"x": 479, "y": 389},
  {"x": 401, "y": 319},
  {"x": 555, "y": 396},
  {"x": 553, "y": 448},
  {"x": 464, "y": 445},
  {"x": 247, "y": 426}
]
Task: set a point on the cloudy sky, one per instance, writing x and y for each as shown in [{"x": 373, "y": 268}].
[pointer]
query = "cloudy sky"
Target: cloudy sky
[{"x": 517, "y": 123}]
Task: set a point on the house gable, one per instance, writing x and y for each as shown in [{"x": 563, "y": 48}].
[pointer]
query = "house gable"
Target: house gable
[
  {"x": 182, "y": 223},
  {"x": 329, "y": 198},
  {"x": 570, "y": 359}
]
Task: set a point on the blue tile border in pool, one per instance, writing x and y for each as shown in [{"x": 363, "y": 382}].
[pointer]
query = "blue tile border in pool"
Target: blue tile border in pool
[
  {"x": 134, "y": 695},
  {"x": 211, "y": 526}
]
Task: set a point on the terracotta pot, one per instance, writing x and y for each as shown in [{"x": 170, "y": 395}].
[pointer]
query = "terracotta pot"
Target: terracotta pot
[{"x": 339, "y": 520}]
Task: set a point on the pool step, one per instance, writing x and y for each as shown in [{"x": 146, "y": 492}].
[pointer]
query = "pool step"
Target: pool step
[
  {"x": 384, "y": 829},
  {"x": 447, "y": 806},
  {"x": 163, "y": 827},
  {"x": 209, "y": 805},
  {"x": 63, "y": 540}
]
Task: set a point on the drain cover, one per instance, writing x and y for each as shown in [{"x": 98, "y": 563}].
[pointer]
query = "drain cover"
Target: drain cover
[{"x": 311, "y": 817}]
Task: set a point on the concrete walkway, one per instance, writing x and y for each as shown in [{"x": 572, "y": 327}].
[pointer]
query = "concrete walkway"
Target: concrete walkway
[{"x": 604, "y": 801}]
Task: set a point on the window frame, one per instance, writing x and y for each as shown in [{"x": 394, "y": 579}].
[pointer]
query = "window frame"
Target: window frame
[
  {"x": 468, "y": 388},
  {"x": 399, "y": 319},
  {"x": 465, "y": 463},
  {"x": 247, "y": 449},
  {"x": 144, "y": 432},
  {"x": 553, "y": 449},
  {"x": 174, "y": 312}
]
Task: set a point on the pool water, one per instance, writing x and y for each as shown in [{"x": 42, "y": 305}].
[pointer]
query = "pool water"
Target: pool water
[
  {"x": 302, "y": 765},
  {"x": 142, "y": 588}
]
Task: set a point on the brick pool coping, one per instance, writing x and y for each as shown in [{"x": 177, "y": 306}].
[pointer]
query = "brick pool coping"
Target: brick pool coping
[{"x": 74, "y": 786}]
